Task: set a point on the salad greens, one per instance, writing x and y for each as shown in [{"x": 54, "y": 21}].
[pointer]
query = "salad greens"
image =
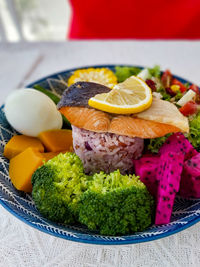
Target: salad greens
[
  {"x": 194, "y": 134},
  {"x": 123, "y": 73},
  {"x": 155, "y": 143},
  {"x": 155, "y": 71},
  {"x": 178, "y": 96},
  {"x": 165, "y": 96},
  {"x": 53, "y": 97}
]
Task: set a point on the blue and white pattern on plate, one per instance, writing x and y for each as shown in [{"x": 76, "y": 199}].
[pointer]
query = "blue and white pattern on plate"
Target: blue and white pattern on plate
[{"x": 186, "y": 211}]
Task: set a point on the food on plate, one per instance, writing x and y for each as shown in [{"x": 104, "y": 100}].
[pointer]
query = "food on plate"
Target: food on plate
[
  {"x": 56, "y": 140},
  {"x": 123, "y": 73},
  {"x": 49, "y": 155},
  {"x": 55, "y": 99},
  {"x": 106, "y": 141},
  {"x": 182, "y": 87},
  {"x": 97, "y": 75},
  {"x": 189, "y": 108},
  {"x": 190, "y": 180},
  {"x": 146, "y": 168},
  {"x": 18, "y": 143},
  {"x": 189, "y": 96},
  {"x": 169, "y": 175},
  {"x": 99, "y": 121},
  {"x": 113, "y": 204},
  {"x": 131, "y": 96},
  {"x": 195, "y": 88},
  {"x": 116, "y": 204},
  {"x": 106, "y": 151},
  {"x": 179, "y": 144},
  {"x": 194, "y": 133},
  {"x": 57, "y": 187},
  {"x": 26, "y": 154},
  {"x": 128, "y": 168},
  {"x": 167, "y": 172},
  {"x": 79, "y": 93},
  {"x": 165, "y": 112},
  {"x": 31, "y": 112},
  {"x": 22, "y": 167}
]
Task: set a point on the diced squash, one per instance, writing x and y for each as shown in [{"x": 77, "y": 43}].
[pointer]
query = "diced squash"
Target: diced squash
[
  {"x": 57, "y": 140},
  {"x": 19, "y": 143},
  {"x": 49, "y": 155},
  {"x": 22, "y": 168}
]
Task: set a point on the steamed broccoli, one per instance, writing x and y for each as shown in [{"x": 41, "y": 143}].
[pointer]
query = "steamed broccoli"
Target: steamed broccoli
[
  {"x": 116, "y": 204},
  {"x": 57, "y": 186},
  {"x": 110, "y": 203}
]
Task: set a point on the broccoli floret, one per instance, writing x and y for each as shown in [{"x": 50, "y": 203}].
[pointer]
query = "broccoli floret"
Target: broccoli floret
[
  {"x": 116, "y": 204},
  {"x": 57, "y": 186}
]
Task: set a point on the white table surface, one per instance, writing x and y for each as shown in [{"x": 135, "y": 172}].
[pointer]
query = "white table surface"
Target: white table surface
[{"x": 21, "y": 245}]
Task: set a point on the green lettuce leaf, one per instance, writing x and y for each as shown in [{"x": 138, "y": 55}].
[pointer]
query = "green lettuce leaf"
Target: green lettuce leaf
[
  {"x": 155, "y": 71},
  {"x": 194, "y": 134},
  {"x": 155, "y": 143},
  {"x": 123, "y": 73}
]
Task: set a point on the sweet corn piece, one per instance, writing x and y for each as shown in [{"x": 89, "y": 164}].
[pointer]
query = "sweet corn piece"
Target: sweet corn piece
[
  {"x": 175, "y": 88},
  {"x": 99, "y": 75}
]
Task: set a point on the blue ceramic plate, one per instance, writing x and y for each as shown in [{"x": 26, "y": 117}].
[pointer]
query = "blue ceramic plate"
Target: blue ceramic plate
[{"x": 185, "y": 213}]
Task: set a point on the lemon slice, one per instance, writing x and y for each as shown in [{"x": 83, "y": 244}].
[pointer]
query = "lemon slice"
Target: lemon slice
[
  {"x": 99, "y": 75},
  {"x": 131, "y": 96}
]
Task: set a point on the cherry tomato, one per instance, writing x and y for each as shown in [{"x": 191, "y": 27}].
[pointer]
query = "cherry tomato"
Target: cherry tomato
[
  {"x": 182, "y": 86},
  {"x": 189, "y": 108},
  {"x": 166, "y": 78},
  {"x": 195, "y": 88}
]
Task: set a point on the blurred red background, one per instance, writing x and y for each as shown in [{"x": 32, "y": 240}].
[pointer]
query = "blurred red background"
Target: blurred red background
[{"x": 137, "y": 19}]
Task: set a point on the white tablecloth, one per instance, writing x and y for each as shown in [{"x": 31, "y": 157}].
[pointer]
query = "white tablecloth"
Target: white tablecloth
[{"x": 21, "y": 245}]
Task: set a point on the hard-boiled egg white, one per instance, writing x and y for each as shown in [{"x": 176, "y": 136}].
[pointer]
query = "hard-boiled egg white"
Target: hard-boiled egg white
[{"x": 31, "y": 112}]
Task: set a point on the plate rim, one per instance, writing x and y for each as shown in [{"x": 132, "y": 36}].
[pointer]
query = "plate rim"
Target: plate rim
[
  {"x": 29, "y": 85},
  {"x": 94, "y": 241}
]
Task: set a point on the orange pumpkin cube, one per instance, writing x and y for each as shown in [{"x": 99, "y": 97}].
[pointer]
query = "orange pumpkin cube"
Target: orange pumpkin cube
[
  {"x": 19, "y": 143},
  {"x": 22, "y": 168},
  {"x": 57, "y": 140}
]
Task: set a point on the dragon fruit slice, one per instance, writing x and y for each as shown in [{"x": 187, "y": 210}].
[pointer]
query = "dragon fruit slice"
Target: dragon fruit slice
[
  {"x": 178, "y": 143},
  {"x": 169, "y": 175},
  {"x": 190, "y": 180},
  {"x": 146, "y": 167}
]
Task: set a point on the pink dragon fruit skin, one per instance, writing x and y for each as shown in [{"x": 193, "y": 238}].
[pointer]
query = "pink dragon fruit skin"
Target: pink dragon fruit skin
[
  {"x": 146, "y": 167},
  {"x": 190, "y": 180},
  {"x": 178, "y": 143},
  {"x": 169, "y": 175}
]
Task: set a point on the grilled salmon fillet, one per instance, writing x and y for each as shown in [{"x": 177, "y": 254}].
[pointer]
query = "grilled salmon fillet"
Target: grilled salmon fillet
[{"x": 99, "y": 121}]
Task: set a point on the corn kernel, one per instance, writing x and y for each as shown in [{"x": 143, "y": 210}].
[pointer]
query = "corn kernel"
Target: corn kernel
[
  {"x": 99, "y": 75},
  {"x": 175, "y": 88}
]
